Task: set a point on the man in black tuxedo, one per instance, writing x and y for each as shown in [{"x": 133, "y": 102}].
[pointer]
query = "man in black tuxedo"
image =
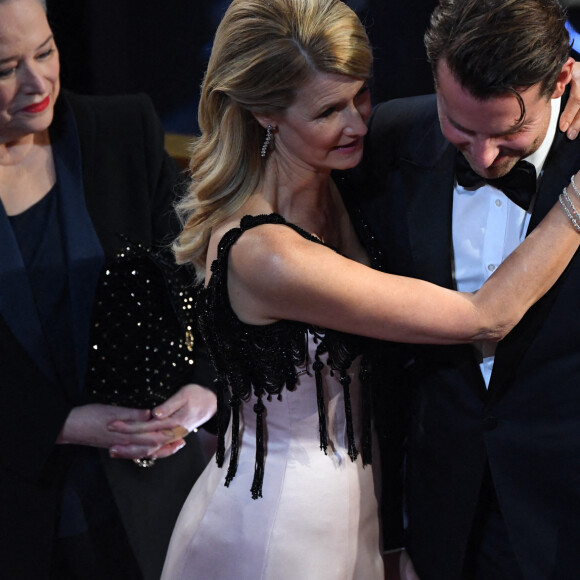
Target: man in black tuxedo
[{"x": 492, "y": 443}]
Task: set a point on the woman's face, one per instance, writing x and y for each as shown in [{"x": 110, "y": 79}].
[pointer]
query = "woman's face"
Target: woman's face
[
  {"x": 325, "y": 126},
  {"x": 29, "y": 70}
]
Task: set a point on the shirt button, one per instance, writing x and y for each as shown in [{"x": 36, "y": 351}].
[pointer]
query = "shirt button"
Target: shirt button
[
  {"x": 498, "y": 202},
  {"x": 491, "y": 267},
  {"x": 490, "y": 423}
]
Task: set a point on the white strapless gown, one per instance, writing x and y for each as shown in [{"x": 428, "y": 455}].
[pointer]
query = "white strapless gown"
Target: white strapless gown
[{"x": 318, "y": 518}]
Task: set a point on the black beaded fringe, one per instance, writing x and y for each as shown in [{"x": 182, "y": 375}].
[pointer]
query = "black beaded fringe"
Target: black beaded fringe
[{"x": 259, "y": 408}]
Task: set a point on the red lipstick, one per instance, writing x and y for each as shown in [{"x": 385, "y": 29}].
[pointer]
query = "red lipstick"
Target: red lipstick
[{"x": 38, "y": 107}]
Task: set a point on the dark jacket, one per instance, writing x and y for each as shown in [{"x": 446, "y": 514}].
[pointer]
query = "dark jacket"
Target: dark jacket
[
  {"x": 129, "y": 185},
  {"x": 527, "y": 425}
]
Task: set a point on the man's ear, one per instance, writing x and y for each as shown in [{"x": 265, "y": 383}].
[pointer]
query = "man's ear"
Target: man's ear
[{"x": 570, "y": 69}]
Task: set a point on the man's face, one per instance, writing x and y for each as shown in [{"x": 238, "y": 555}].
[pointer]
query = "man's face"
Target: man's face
[{"x": 486, "y": 131}]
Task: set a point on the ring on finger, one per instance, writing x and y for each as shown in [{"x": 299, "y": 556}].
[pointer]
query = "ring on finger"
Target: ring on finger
[{"x": 145, "y": 461}]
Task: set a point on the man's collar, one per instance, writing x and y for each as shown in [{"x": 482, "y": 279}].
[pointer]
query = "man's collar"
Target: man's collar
[{"x": 538, "y": 158}]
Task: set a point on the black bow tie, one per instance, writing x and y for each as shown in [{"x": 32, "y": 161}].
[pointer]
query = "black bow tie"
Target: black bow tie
[{"x": 519, "y": 184}]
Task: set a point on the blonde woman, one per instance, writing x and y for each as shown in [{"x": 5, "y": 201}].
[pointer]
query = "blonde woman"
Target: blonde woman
[{"x": 294, "y": 297}]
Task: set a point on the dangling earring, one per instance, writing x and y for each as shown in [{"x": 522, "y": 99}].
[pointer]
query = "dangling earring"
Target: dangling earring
[{"x": 267, "y": 141}]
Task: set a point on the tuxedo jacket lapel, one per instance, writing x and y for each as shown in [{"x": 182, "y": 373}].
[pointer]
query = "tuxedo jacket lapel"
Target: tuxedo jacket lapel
[
  {"x": 83, "y": 250},
  {"x": 427, "y": 177},
  {"x": 429, "y": 217},
  {"x": 562, "y": 162}
]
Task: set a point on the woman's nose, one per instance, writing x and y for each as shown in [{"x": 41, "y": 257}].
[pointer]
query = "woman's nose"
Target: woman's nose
[
  {"x": 32, "y": 80},
  {"x": 356, "y": 125}
]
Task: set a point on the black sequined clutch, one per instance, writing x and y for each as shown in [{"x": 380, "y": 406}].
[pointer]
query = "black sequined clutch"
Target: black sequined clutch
[{"x": 141, "y": 335}]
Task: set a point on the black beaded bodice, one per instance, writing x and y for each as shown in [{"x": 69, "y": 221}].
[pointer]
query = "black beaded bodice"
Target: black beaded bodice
[{"x": 260, "y": 361}]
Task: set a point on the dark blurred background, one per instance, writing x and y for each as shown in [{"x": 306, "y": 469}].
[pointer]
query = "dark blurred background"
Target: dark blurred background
[{"x": 161, "y": 47}]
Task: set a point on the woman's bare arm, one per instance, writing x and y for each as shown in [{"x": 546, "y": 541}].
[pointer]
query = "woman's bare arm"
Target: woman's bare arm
[{"x": 274, "y": 273}]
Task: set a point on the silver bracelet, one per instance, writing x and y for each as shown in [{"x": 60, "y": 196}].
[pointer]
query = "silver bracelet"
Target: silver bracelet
[
  {"x": 563, "y": 198},
  {"x": 571, "y": 206},
  {"x": 574, "y": 186}
]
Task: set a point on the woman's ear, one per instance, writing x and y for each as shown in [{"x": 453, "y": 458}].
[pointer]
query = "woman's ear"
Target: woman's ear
[{"x": 264, "y": 120}]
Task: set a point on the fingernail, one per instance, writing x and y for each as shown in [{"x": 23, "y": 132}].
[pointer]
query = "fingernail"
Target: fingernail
[
  {"x": 572, "y": 134},
  {"x": 564, "y": 127},
  {"x": 113, "y": 453}
]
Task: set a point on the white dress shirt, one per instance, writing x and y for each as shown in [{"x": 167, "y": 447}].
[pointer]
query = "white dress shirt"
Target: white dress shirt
[{"x": 487, "y": 227}]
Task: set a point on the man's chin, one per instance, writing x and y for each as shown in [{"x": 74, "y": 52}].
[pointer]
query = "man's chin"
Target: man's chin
[{"x": 496, "y": 171}]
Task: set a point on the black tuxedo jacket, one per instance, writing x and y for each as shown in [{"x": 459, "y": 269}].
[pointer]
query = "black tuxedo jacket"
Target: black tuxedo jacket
[
  {"x": 527, "y": 425},
  {"x": 129, "y": 185}
]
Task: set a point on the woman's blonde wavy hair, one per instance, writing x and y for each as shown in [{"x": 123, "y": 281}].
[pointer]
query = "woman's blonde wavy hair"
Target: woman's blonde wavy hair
[{"x": 264, "y": 51}]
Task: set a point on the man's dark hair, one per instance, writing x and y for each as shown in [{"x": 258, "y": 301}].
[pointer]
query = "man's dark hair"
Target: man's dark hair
[{"x": 497, "y": 46}]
